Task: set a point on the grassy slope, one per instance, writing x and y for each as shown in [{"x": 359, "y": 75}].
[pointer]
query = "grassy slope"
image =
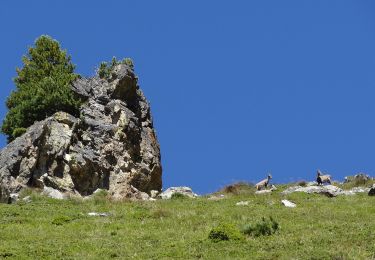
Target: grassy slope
[{"x": 319, "y": 228}]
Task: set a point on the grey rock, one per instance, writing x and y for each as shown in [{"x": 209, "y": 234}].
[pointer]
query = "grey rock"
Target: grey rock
[
  {"x": 154, "y": 193},
  {"x": 288, "y": 204},
  {"x": 328, "y": 190},
  {"x": 263, "y": 192},
  {"x": 27, "y": 199},
  {"x": 52, "y": 193},
  {"x": 13, "y": 198},
  {"x": 112, "y": 146},
  {"x": 96, "y": 214},
  {"x": 242, "y": 203},
  {"x": 167, "y": 194}
]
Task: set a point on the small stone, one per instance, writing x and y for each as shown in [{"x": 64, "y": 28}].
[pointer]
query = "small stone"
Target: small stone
[
  {"x": 52, "y": 193},
  {"x": 13, "y": 198},
  {"x": 263, "y": 191},
  {"x": 154, "y": 193},
  {"x": 288, "y": 204},
  {"x": 273, "y": 187},
  {"x": 242, "y": 203},
  {"x": 96, "y": 214},
  {"x": 27, "y": 199}
]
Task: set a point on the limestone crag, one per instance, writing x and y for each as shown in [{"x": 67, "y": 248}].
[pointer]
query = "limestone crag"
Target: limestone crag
[{"x": 112, "y": 145}]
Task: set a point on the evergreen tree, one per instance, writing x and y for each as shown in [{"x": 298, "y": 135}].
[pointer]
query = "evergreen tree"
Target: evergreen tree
[{"x": 42, "y": 87}]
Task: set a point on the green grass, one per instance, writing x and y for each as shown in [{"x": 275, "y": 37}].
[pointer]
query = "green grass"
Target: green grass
[{"x": 318, "y": 228}]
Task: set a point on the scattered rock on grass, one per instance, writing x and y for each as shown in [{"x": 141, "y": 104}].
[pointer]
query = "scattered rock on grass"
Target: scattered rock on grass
[
  {"x": 288, "y": 204},
  {"x": 263, "y": 191},
  {"x": 328, "y": 190},
  {"x": 52, "y": 193},
  {"x": 242, "y": 203},
  {"x": 27, "y": 199},
  {"x": 186, "y": 191},
  {"x": 13, "y": 198},
  {"x": 96, "y": 214}
]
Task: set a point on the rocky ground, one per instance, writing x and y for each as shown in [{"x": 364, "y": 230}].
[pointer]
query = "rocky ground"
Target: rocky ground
[{"x": 310, "y": 225}]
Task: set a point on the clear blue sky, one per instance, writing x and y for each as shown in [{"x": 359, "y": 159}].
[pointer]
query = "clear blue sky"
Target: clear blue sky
[{"x": 237, "y": 88}]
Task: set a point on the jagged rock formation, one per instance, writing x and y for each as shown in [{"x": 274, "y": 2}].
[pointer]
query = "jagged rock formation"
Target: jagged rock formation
[{"x": 111, "y": 146}]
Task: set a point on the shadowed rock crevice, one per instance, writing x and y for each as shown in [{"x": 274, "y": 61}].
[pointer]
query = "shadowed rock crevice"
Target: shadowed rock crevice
[{"x": 112, "y": 145}]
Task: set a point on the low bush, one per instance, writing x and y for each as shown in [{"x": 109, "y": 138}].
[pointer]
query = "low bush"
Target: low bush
[
  {"x": 264, "y": 228},
  {"x": 61, "y": 220},
  {"x": 224, "y": 232},
  {"x": 105, "y": 68},
  {"x": 178, "y": 196}
]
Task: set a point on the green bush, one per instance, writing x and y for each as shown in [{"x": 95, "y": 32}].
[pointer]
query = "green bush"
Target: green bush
[
  {"x": 105, "y": 68},
  {"x": 18, "y": 132},
  {"x": 42, "y": 87},
  {"x": 178, "y": 195},
  {"x": 224, "y": 232},
  {"x": 264, "y": 228}
]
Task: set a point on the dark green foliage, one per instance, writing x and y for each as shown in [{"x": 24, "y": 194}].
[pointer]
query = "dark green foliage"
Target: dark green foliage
[
  {"x": 18, "y": 132},
  {"x": 105, "y": 68},
  {"x": 263, "y": 228},
  {"x": 224, "y": 232},
  {"x": 178, "y": 195},
  {"x": 42, "y": 87}
]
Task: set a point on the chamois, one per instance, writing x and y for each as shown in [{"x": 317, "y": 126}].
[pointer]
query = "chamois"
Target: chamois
[
  {"x": 320, "y": 179},
  {"x": 263, "y": 184}
]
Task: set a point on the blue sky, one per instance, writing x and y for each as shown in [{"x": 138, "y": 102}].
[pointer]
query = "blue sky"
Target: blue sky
[{"x": 237, "y": 88}]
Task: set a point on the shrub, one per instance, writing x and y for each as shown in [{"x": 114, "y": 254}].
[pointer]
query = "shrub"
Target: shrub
[
  {"x": 264, "y": 228},
  {"x": 105, "y": 68},
  {"x": 224, "y": 232},
  {"x": 42, "y": 87},
  {"x": 302, "y": 183},
  {"x": 178, "y": 195},
  {"x": 238, "y": 188},
  {"x": 61, "y": 220}
]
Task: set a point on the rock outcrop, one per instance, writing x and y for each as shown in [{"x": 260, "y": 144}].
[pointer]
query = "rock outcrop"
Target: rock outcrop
[
  {"x": 185, "y": 191},
  {"x": 112, "y": 145},
  {"x": 328, "y": 190}
]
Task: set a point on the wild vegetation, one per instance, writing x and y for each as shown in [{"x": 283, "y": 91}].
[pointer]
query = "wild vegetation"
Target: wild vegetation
[
  {"x": 203, "y": 228},
  {"x": 42, "y": 87}
]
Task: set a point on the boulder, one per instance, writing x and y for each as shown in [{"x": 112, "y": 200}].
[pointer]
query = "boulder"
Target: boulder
[
  {"x": 111, "y": 146},
  {"x": 186, "y": 191},
  {"x": 328, "y": 190},
  {"x": 53, "y": 193},
  {"x": 288, "y": 204},
  {"x": 13, "y": 198}
]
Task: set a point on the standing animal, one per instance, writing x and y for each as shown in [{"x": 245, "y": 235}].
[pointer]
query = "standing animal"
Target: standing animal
[
  {"x": 264, "y": 183},
  {"x": 320, "y": 178}
]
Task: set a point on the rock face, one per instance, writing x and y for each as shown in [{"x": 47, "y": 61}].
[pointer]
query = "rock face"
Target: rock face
[{"x": 111, "y": 146}]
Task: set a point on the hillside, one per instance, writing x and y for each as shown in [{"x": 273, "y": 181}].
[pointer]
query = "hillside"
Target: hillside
[{"x": 318, "y": 228}]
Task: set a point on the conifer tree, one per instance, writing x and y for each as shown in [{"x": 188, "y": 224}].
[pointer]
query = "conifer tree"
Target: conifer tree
[{"x": 42, "y": 87}]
